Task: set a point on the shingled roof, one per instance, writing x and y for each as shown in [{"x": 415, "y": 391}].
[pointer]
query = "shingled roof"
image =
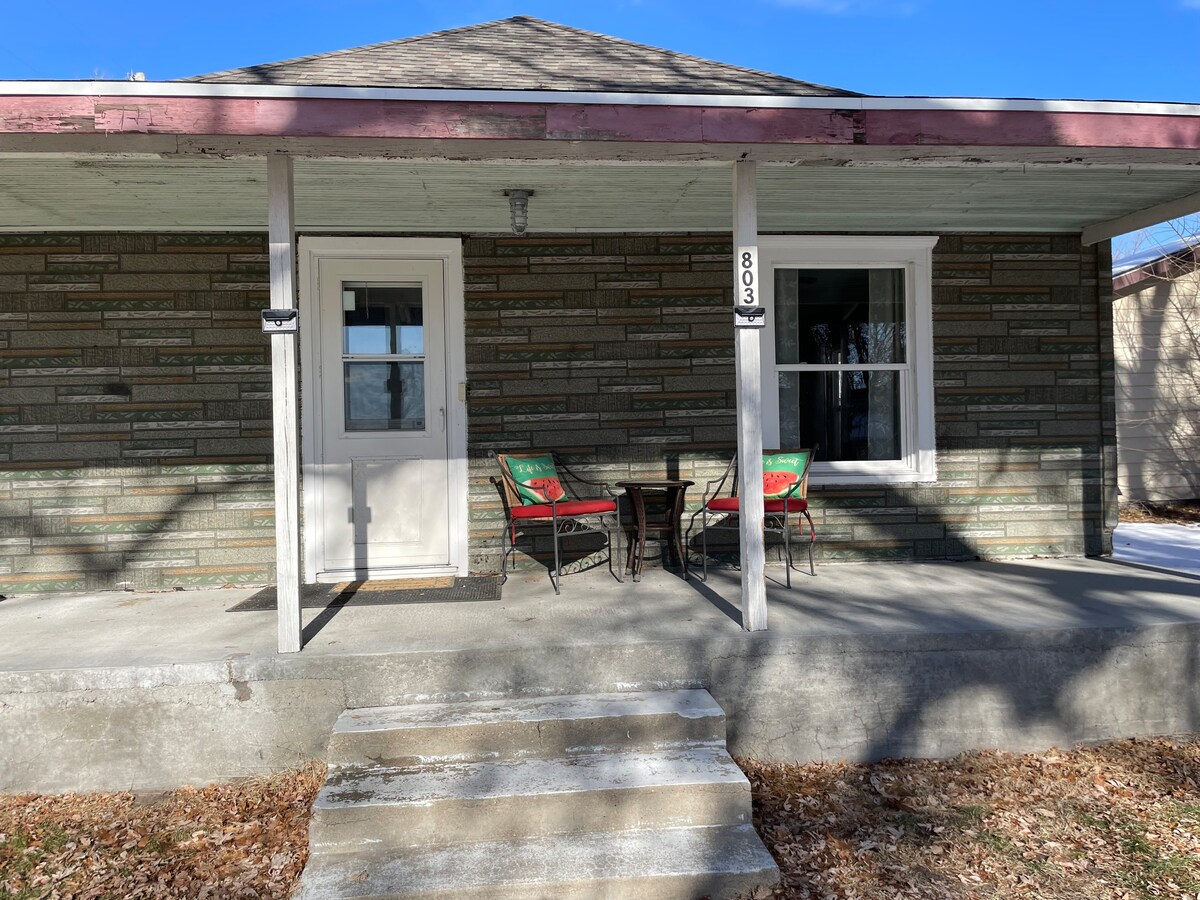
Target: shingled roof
[{"x": 521, "y": 53}]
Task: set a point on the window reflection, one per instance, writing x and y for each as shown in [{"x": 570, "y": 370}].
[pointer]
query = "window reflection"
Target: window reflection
[
  {"x": 385, "y": 396},
  {"x": 839, "y": 316},
  {"x": 850, "y": 415},
  {"x": 841, "y": 320},
  {"x": 382, "y": 319},
  {"x": 385, "y": 321}
]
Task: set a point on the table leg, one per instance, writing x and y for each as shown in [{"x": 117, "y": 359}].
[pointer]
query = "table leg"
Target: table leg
[
  {"x": 677, "y": 502},
  {"x": 639, "y": 504}
]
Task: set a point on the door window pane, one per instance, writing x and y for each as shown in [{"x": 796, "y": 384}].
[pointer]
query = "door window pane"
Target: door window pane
[
  {"x": 850, "y": 415},
  {"x": 385, "y": 396},
  {"x": 839, "y": 316},
  {"x": 382, "y": 319}
]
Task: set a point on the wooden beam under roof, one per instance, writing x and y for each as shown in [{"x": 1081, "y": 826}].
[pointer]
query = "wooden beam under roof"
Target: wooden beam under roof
[
  {"x": 1142, "y": 218},
  {"x": 593, "y": 123}
]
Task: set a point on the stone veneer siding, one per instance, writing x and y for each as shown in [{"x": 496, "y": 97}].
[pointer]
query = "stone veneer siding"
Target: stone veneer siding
[
  {"x": 135, "y": 412},
  {"x": 617, "y": 351},
  {"x": 135, "y": 398}
]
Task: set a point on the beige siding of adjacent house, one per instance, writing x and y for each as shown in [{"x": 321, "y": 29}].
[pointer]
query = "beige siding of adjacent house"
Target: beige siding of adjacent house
[{"x": 1157, "y": 344}]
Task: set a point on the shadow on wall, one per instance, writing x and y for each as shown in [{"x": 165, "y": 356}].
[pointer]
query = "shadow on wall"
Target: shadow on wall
[
  {"x": 1157, "y": 335},
  {"x": 1044, "y": 500},
  {"x": 175, "y": 539}
]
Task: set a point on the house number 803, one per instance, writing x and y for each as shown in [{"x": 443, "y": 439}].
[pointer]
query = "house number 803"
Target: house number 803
[{"x": 748, "y": 278}]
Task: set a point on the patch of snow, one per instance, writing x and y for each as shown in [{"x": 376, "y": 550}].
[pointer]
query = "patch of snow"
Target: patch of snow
[{"x": 1165, "y": 546}]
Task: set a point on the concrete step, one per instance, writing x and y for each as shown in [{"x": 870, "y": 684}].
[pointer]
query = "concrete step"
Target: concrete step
[
  {"x": 513, "y": 798},
  {"x": 657, "y": 864},
  {"x": 538, "y": 726}
]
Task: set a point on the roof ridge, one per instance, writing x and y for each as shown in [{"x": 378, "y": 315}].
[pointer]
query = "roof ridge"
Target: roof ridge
[
  {"x": 328, "y": 53},
  {"x": 688, "y": 56},
  {"x": 520, "y": 20}
]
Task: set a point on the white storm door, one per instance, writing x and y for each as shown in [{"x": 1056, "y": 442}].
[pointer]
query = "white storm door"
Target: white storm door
[{"x": 384, "y": 492}]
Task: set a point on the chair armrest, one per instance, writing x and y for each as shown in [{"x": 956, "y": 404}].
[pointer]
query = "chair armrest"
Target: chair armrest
[
  {"x": 709, "y": 491},
  {"x": 603, "y": 485}
]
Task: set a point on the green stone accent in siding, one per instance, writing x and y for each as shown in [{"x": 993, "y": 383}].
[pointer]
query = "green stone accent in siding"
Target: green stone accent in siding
[
  {"x": 134, "y": 526},
  {"x": 543, "y": 247},
  {"x": 169, "y": 242},
  {"x": 213, "y": 359},
  {"x": 23, "y": 584},
  {"x": 40, "y": 362},
  {"x": 640, "y": 299},
  {"x": 149, "y": 415},
  {"x": 64, "y": 243},
  {"x": 123, "y": 303},
  {"x": 684, "y": 403},
  {"x": 485, "y": 302}
]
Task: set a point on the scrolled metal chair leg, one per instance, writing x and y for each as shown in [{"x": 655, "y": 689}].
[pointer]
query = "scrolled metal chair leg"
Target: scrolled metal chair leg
[
  {"x": 787, "y": 550},
  {"x": 505, "y": 550},
  {"x": 812, "y": 542},
  {"x": 556, "y": 577}
]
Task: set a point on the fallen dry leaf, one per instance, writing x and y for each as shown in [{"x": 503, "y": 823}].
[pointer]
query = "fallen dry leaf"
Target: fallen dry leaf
[
  {"x": 235, "y": 840},
  {"x": 1104, "y": 822}
]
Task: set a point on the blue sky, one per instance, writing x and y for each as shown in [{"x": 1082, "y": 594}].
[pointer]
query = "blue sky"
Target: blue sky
[
  {"x": 1017, "y": 48},
  {"x": 1102, "y": 49}
]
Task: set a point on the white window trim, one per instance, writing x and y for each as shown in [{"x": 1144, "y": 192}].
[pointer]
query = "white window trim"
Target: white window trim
[{"x": 913, "y": 254}]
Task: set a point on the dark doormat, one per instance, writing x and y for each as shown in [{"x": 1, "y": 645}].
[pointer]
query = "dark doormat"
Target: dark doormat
[{"x": 473, "y": 589}]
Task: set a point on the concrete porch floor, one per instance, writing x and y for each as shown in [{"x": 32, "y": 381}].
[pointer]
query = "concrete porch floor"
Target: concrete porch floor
[
  {"x": 156, "y": 690},
  {"x": 121, "y": 629}
]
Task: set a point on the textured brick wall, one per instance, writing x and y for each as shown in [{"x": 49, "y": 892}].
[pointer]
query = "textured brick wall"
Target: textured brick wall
[
  {"x": 617, "y": 351},
  {"x": 135, "y": 406},
  {"x": 134, "y": 412}
]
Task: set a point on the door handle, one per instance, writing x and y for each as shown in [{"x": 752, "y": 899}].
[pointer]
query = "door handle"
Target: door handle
[{"x": 442, "y": 410}]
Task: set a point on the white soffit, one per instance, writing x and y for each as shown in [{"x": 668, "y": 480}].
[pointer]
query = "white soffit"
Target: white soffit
[{"x": 61, "y": 194}]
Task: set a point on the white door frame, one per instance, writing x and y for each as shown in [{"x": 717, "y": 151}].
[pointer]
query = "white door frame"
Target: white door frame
[{"x": 449, "y": 251}]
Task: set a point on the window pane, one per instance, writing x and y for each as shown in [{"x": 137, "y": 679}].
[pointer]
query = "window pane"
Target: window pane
[
  {"x": 382, "y": 318},
  {"x": 385, "y": 396},
  {"x": 839, "y": 316},
  {"x": 849, "y": 415}
]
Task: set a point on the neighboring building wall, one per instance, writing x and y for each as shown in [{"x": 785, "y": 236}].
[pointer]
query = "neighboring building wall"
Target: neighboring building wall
[
  {"x": 135, "y": 433},
  {"x": 1157, "y": 331},
  {"x": 617, "y": 351},
  {"x": 135, "y": 407}
]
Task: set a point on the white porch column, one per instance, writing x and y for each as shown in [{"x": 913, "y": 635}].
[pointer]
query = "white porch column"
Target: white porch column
[
  {"x": 281, "y": 231},
  {"x": 747, "y": 347}
]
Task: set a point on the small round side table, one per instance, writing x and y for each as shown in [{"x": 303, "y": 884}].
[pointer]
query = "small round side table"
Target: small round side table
[{"x": 668, "y": 494}]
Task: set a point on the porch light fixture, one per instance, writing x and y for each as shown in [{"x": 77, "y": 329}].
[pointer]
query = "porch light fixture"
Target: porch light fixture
[{"x": 518, "y": 209}]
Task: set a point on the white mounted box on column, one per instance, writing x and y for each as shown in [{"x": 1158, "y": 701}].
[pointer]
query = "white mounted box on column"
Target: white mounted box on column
[{"x": 280, "y": 321}]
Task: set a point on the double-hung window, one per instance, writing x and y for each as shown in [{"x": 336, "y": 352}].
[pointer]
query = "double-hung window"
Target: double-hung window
[{"x": 847, "y": 356}]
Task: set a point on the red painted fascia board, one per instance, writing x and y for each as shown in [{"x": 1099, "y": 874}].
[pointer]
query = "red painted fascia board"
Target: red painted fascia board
[{"x": 408, "y": 119}]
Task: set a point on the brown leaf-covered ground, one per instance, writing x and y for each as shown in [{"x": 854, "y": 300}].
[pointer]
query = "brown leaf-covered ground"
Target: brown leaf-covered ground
[
  {"x": 233, "y": 840},
  {"x": 1178, "y": 512},
  {"x": 1118, "y": 820}
]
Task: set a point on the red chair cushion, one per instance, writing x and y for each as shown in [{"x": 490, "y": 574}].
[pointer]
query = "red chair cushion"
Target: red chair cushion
[
  {"x": 730, "y": 504},
  {"x": 569, "y": 508}
]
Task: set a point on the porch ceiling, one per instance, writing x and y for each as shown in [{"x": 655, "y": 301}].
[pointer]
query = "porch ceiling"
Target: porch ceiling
[{"x": 397, "y": 195}]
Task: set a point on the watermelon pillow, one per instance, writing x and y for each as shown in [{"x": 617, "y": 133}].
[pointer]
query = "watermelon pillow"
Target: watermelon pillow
[
  {"x": 536, "y": 479},
  {"x": 782, "y": 473}
]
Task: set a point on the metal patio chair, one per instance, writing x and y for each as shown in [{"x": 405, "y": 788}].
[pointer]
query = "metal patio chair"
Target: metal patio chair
[
  {"x": 787, "y": 497},
  {"x": 563, "y": 515}
]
